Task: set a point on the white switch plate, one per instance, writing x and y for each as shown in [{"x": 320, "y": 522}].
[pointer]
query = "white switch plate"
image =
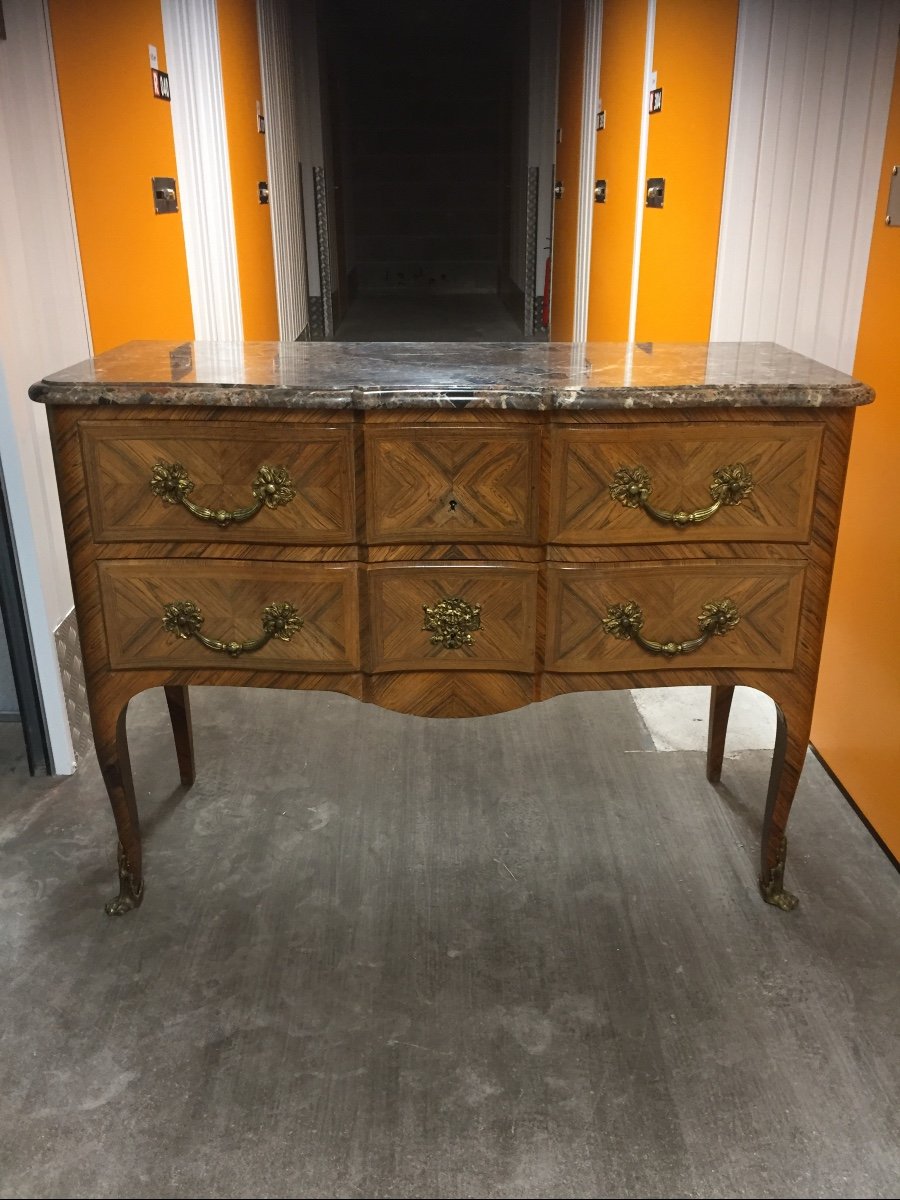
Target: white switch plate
[
  {"x": 154, "y": 58},
  {"x": 653, "y": 83}
]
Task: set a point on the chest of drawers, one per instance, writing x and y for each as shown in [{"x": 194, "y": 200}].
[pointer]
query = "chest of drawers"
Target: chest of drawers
[{"x": 450, "y": 531}]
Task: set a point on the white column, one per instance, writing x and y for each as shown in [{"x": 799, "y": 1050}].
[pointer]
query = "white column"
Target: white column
[
  {"x": 593, "y": 14},
  {"x": 191, "y": 31},
  {"x": 278, "y": 69}
]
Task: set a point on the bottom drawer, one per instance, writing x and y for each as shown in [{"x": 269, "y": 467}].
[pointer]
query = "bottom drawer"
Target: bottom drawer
[
  {"x": 743, "y": 614},
  {"x": 157, "y": 612},
  {"x": 453, "y": 617}
]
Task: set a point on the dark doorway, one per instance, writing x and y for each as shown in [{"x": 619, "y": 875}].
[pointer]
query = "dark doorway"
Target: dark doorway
[{"x": 425, "y": 127}]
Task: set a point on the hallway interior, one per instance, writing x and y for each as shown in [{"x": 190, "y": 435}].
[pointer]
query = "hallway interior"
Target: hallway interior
[{"x": 480, "y": 317}]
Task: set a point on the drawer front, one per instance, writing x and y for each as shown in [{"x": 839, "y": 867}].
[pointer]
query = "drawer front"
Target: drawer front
[
  {"x": 428, "y": 483},
  {"x": 672, "y": 598},
  {"x": 683, "y": 470},
  {"x": 477, "y": 618},
  {"x": 221, "y": 463},
  {"x": 232, "y": 598}
]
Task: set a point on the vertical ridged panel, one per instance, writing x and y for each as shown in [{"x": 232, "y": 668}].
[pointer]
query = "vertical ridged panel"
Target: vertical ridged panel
[
  {"x": 593, "y": 14},
  {"x": 282, "y": 151},
  {"x": 191, "y": 29},
  {"x": 811, "y": 90}
]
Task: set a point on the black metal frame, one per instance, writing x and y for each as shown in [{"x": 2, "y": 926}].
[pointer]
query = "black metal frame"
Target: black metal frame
[{"x": 21, "y": 656}]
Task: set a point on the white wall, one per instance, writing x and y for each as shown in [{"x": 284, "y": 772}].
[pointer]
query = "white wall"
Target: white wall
[
  {"x": 43, "y": 327},
  {"x": 811, "y": 93},
  {"x": 542, "y": 99}
]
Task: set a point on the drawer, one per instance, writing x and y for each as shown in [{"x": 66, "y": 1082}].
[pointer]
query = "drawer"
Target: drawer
[
  {"x": 587, "y": 628},
  {"x": 232, "y": 598},
  {"x": 477, "y": 617},
  {"x": 220, "y": 464},
  {"x": 683, "y": 469},
  {"x": 435, "y": 483}
]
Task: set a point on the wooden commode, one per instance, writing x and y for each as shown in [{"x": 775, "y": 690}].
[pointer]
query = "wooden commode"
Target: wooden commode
[{"x": 450, "y": 530}]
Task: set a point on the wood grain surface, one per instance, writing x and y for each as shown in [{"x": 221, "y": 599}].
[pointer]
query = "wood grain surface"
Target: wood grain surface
[{"x": 780, "y": 457}]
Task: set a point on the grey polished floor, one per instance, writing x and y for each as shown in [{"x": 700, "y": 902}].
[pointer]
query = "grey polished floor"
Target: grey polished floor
[
  {"x": 521, "y": 956},
  {"x": 425, "y": 318}
]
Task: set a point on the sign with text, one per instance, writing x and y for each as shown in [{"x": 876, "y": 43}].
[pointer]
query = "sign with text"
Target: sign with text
[{"x": 160, "y": 84}]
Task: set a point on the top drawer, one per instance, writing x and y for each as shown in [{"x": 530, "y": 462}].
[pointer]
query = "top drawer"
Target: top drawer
[
  {"x": 758, "y": 480},
  {"x": 147, "y": 479},
  {"x": 431, "y": 483}
]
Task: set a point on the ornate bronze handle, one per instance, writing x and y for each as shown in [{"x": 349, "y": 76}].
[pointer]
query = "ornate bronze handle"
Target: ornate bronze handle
[
  {"x": 626, "y": 621},
  {"x": 452, "y": 622},
  {"x": 730, "y": 485},
  {"x": 271, "y": 487},
  {"x": 184, "y": 618}
]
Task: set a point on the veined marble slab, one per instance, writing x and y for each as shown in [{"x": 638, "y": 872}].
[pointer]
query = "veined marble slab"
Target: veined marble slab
[{"x": 524, "y": 375}]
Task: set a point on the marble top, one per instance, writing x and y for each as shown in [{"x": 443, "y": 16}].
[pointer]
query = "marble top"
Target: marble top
[{"x": 526, "y": 375}]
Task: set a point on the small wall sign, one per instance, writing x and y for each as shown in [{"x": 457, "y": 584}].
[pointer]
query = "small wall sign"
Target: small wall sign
[
  {"x": 160, "y": 84},
  {"x": 656, "y": 100}
]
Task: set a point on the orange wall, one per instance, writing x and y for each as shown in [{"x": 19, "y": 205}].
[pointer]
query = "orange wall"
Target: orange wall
[
  {"x": 856, "y": 726},
  {"x": 693, "y": 56},
  {"x": 568, "y": 162},
  {"x": 117, "y": 137},
  {"x": 623, "y": 37},
  {"x": 247, "y": 152}
]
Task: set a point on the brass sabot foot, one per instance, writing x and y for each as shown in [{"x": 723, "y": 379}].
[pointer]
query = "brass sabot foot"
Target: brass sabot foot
[
  {"x": 771, "y": 884},
  {"x": 131, "y": 891}
]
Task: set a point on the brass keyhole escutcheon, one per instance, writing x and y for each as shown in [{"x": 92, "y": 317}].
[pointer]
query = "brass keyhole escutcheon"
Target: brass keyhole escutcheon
[{"x": 452, "y": 504}]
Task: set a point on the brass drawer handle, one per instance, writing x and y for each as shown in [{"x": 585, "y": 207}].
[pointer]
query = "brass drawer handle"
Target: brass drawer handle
[
  {"x": 184, "y": 618},
  {"x": 452, "y": 622},
  {"x": 272, "y": 487},
  {"x": 626, "y": 621},
  {"x": 730, "y": 485}
]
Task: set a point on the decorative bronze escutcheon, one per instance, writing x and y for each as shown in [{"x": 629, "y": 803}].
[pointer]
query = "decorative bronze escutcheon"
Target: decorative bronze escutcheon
[{"x": 452, "y": 622}]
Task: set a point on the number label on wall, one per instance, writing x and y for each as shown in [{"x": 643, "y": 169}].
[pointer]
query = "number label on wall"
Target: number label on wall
[{"x": 160, "y": 84}]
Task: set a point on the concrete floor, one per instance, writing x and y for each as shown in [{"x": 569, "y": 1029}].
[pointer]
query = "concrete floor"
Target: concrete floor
[
  {"x": 427, "y": 318},
  {"x": 521, "y": 956}
]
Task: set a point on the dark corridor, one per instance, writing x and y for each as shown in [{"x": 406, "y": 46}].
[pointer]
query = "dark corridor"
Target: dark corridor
[{"x": 426, "y": 111}]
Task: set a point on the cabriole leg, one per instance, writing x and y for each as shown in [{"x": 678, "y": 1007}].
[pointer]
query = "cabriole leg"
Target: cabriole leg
[
  {"x": 180, "y": 715},
  {"x": 115, "y": 765},
  {"x": 791, "y": 742}
]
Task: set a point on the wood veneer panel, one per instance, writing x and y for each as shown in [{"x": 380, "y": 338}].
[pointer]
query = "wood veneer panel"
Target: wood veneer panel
[
  {"x": 782, "y": 459},
  {"x": 506, "y": 595},
  {"x": 767, "y": 596},
  {"x": 450, "y": 693},
  {"x": 231, "y": 597},
  {"x": 221, "y": 460},
  {"x": 457, "y": 485}
]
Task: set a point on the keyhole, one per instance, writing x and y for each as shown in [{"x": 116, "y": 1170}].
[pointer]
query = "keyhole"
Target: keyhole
[{"x": 453, "y": 504}]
